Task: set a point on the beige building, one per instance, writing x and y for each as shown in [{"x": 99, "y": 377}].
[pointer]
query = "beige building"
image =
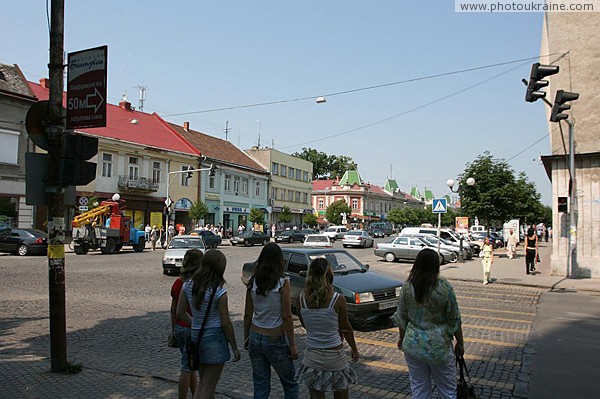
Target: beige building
[
  {"x": 290, "y": 184},
  {"x": 575, "y": 34}
]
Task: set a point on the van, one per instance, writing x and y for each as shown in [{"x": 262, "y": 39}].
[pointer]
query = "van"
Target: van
[
  {"x": 386, "y": 227},
  {"x": 335, "y": 232},
  {"x": 446, "y": 234}
]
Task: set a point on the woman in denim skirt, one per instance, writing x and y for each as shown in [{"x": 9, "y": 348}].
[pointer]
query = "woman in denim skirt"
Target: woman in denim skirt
[
  {"x": 183, "y": 331},
  {"x": 218, "y": 330},
  {"x": 268, "y": 327}
]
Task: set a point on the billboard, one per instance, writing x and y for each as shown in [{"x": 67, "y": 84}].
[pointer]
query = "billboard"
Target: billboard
[{"x": 462, "y": 224}]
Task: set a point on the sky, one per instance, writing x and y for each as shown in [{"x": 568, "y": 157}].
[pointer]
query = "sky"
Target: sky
[{"x": 197, "y": 56}]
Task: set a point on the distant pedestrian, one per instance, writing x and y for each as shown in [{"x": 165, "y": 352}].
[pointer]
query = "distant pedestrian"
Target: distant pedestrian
[
  {"x": 218, "y": 331},
  {"x": 153, "y": 237},
  {"x": 171, "y": 232},
  {"x": 273, "y": 230},
  {"x": 182, "y": 330},
  {"x": 511, "y": 246},
  {"x": 268, "y": 325},
  {"x": 546, "y": 234},
  {"x": 147, "y": 231},
  {"x": 531, "y": 251},
  {"x": 181, "y": 229},
  {"x": 162, "y": 237},
  {"x": 240, "y": 229},
  {"x": 324, "y": 315},
  {"x": 428, "y": 317},
  {"x": 487, "y": 260}
]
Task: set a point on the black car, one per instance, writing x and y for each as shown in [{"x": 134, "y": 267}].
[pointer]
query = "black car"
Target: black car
[
  {"x": 248, "y": 238},
  {"x": 211, "y": 240},
  {"x": 289, "y": 236},
  {"x": 23, "y": 241},
  {"x": 367, "y": 293},
  {"x": 376, "y": 233}
]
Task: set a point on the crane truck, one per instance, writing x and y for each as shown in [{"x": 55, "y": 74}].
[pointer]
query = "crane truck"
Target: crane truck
[{"x": 106, "y": 228}]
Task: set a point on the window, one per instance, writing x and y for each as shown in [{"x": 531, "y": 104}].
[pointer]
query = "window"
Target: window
[
  {"x": 283, "y": 170},
  {"x": 321, "y": 203},
  {"x": 156, "y": 172},
  {"x": 275, "y": 168},
  {"x": 282, "y": 194},
  {"x": 106, "y": 165},
  {"x": 305, "y": 176},
  {"x": 244, "y": 186},
  {"x": 9, "y": 150},
  {"x": 274, "y": 192},
  {"x": 305, "y": 197},
  {"x": 354, "y": 203},
  {"x": 211, "y": 182},
  {"x": 134, "y": 168},
  {"x": 298, "y": 263},
  {"x": 401, "y": 241},
  {"x": 236, "y": 184},
  {"x": 297, "y": 196},
  {"x": 291, "y": 173},
  {"x": 298, "y": 174},
  {"x": 185, "y": 180},
  {"x": 227, "y": 182},
  {"x": 257, "y": 189}
]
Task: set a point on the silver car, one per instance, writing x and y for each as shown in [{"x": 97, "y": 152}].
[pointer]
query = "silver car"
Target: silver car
[
  {"x": 445, "y": 244},
  {"x": 407, "y": 248},
  {"x": 357, "y": 238},
  {"x": 179, "y": 245}
]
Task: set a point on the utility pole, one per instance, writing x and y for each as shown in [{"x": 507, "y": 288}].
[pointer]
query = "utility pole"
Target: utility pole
[{"x": 56, "y": 221}]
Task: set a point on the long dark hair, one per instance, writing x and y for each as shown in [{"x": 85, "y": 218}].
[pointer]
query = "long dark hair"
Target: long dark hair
[
  {"x": 191, "y": 263},
  {"x": 210, "y": 275},
  {"x": 530, "y": 232},
  {"x": 319, "y": 282},
  {"x": 269, "y": 269},
  {"x": 424, "y": 274}
]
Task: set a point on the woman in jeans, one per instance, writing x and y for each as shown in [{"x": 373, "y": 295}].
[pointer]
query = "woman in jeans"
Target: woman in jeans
[
  {"x": 218, "y": 331},
  {"x": 428, "y": 318},
  {"x": 268, "y": 327},
  {"x": 324, "y": 314},
  {"x": 182, "y": 330}
]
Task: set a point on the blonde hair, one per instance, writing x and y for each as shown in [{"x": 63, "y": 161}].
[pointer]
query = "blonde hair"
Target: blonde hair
[{"x": 318, "y": 283}]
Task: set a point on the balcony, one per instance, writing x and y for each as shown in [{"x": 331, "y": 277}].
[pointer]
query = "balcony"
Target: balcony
[{"x": 141, "y": 184}]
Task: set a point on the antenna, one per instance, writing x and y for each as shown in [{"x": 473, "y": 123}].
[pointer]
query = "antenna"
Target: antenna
[
  {"x": 259, "y": 126},
  {"x": 142, "y": 90},
  {"x": 391, "y": 174},
  {"x": 226, "y": 130}
]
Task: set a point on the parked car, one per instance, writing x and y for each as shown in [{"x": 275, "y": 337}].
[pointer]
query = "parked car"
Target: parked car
[
  {"x": 335, "y": 232},
  {"x": 23, "y": 241},
  {"x": 308, "y": 231},
  {"x": 376, "y": 233},
  {"x": 445, "y": 244},
  {"x": 211, "y": 240},
  {"x": 317, "y": 241},
  {"x": 386, "y": 227},
  {"x": 407, "y": 248},
  {"x": 248, "y": 238},
  {"x": 289, "y": 236},
  {"x": 367, "y": 293},
  {"x": 357, "y": 238},
  {"x": 446, "y": 234},
  {"x": 495, "y": 240},
  {"x": 179, "y": 245}
]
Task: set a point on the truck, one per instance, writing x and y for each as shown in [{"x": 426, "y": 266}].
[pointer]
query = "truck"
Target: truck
[{"x": 106, "y": 228}]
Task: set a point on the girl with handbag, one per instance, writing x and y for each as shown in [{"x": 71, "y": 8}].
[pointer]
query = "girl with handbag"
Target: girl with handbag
[
  {"x": 182, "y": 331},
  {"x": 218, "y": 333},
  {"x": 268, "y": 325},
  {"x": 531, "y": 250}
]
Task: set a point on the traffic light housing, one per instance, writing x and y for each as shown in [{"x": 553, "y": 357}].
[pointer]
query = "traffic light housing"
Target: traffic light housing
[
  {"x": 559, "y": 105},
  {"x": 212, "y": 170},
  {"x": 189, "y": 175},
  {"x": 538, "y": 72},
  {"x": 562, "y": 204},
  {"x": 74, "y": 168}
]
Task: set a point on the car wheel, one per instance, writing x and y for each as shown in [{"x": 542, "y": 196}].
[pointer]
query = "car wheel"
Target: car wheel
[
  {"x": 215, "y": 245},
  {"x": 110, "y": 247},
  {"x": 247, "y": 243},
  {"x": 345, "y": 246},
  {"x": 390, "y": 257},
  {"x": 22, "y": 250},
  {"x": 372, "y": 242},
  {"x": 139, "y": 247},
  {"x": 454, "y": 258}
]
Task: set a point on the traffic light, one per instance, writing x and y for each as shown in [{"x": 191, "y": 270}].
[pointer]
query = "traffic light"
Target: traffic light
[
  {"x": 189, "y": 174},
  {"x": 538, "y": 72},
  {"x": 559, "y": 105},
  {"x": 74, "y": 168},
  {"x": 562, "y": 204},
  {"x": 212, "y": 170}
]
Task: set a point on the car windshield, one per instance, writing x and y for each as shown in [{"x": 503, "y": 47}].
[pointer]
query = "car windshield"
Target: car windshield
[
  {"x": 246, "y": 234},
  {"x": 331, "y": 229},
  {"x": 188, "y": 242},
  {"x": 318, "y": 238},
  {"x": 340, "y": 262}
]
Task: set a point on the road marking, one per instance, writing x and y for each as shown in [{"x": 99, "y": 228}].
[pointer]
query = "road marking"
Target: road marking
[
  {"x": 523, "y": 331},
  {"x": 498, "y": 293},
  {"x": 467, "y": 339},
  {"x": 488, "y": 299},
  {"x": 498, "y": 311},
  {"x": 496, "y": 318}
]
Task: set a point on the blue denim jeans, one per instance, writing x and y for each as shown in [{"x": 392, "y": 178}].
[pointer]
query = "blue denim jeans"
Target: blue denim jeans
[{"x": 266, "y": 352}]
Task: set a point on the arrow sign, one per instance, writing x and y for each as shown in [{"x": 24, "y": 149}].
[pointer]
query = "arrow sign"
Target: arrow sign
[{"x": 439, "y": 205}]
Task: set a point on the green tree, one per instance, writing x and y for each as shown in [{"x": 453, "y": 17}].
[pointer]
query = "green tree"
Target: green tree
[
  {"x": 256, "y": 216},
  {"x": 198, "y": 211},
  {"x": 310, "y": 219},
  {"x": 326, "y": 166},
  {"x": 285, "y": 216},
  {"x": 332, "y": 213},
  {"x": 338, "y": 165}
]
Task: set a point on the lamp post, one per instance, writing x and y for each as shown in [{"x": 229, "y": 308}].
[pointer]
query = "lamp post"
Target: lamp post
[{"x": 452, "y": 185}]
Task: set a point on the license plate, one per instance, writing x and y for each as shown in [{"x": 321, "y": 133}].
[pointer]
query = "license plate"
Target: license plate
[
  {"x": 178, "y": 264},
  {"x": 387, "y": 305}
]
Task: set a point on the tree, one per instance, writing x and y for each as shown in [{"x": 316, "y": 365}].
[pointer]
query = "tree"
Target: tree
[
  {"x": 326, "y": 166},
  {"x": 285, "y": 216},
  {"x": 256, "y": 216},
  {"x": 309, "y": 219},
  {"x": 338, "y": 165},
  {"x": 198, "y": 211},
  {"x": 332, "y": 213}
]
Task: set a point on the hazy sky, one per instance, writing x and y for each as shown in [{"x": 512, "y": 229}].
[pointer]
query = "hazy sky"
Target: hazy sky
[{"x": 202, "y": 55}]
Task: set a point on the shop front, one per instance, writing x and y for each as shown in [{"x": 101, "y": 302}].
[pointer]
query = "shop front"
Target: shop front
[
  {"x": 235, "y": 215},
  {"x": 182, "y": 213}
]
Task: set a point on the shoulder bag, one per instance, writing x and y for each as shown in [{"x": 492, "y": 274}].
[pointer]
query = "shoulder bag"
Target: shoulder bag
[
  {"x": 464, "y": 387},
  {"x": 172, "y": 340},
  {"x": 191, "y": 347}
]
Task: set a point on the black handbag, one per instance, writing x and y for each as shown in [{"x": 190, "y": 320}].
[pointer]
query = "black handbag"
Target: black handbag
[
  {"x": 172, "y": 341},
  {"x": 464, "y": 388},
  {"x": 191, "y": 347}
]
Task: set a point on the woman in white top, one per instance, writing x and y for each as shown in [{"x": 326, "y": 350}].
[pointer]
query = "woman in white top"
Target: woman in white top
[
  {"x": 268, "y": 327},
  {"x": 324, "y": 315}
]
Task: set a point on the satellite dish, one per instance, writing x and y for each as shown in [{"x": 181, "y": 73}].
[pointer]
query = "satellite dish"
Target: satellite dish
[{"x": 35, "y": 122}]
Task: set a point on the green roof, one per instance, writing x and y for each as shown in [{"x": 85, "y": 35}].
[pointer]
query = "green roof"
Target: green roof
[
  {"x": 428, "y": 194},
  {"x": 414, "y": 192},
  {"x": 350, "y": 178},
  {"x": 391, "y": 186}
]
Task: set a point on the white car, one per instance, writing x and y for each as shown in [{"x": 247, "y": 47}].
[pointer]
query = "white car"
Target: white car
[
  {"x": 357, "y": 238},
  {"x": 335, "y": 232},
  {"x": 317, "y": 241}
]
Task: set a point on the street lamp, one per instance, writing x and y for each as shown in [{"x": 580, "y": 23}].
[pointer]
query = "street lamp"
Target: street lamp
[{"x": 456, "y": 189}]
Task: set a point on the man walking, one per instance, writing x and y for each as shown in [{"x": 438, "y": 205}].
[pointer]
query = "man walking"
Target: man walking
[{"x": 511, "y": 248}]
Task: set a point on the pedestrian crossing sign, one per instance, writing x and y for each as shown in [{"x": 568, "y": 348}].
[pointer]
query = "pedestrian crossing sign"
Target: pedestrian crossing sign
[{"x": 439, "y": 205}]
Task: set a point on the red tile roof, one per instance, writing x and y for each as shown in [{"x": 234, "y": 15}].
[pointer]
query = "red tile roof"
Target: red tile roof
[
  {"x": 151, "y": 131},
  {"x": 320, "y": 185}
]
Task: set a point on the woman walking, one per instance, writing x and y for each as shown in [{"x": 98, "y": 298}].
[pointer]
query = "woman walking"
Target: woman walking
[
  {"x": 268, "y": 326},
  {"x": 218, "y": 330},
  {"x": 428, "y": 317},
  {"x": 487, "y": 260},
  {"x": 531, "y": 250},
  {"x": 182, "y": 330},
  {"x": 324, "y": 315}
]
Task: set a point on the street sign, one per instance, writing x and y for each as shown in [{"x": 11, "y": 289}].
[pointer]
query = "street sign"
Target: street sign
[
  {"x": 83, "y": 201},
  {"x": 83, "y": 208},
  {"x": 86, "y": 88},
  {"x": 439, "y": 205}
]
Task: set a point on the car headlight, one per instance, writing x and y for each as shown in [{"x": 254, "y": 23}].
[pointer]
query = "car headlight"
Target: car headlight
[
  {"x": 363, "y": 297},
  {"x": 398, "y": 291}
]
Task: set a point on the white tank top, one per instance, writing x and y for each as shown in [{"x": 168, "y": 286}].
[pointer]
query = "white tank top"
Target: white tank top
[
  {"x": 322, "y": 325},
  {"x": 267, "y": 309}
]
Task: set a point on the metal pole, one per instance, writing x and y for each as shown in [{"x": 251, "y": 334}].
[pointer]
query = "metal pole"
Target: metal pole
[
  {"x": 439, "y": 231},
  {"x": 571, "y": 262},
  {"x": 56, "y": 221}
]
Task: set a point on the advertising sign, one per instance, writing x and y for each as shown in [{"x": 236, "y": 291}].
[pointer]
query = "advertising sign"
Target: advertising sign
[
  {"x": 462, "y": 224},
  {"x": 86, "y": 88}
]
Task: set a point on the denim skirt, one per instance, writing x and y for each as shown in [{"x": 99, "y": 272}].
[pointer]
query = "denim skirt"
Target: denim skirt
[{"x": 213, "y": 347}]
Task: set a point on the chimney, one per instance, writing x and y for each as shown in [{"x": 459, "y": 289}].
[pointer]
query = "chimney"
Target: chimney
[
  {"x": 126, "y": 105},
  {"x": 186, "y": 126},
  {"x": 45, "y": 83}
]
